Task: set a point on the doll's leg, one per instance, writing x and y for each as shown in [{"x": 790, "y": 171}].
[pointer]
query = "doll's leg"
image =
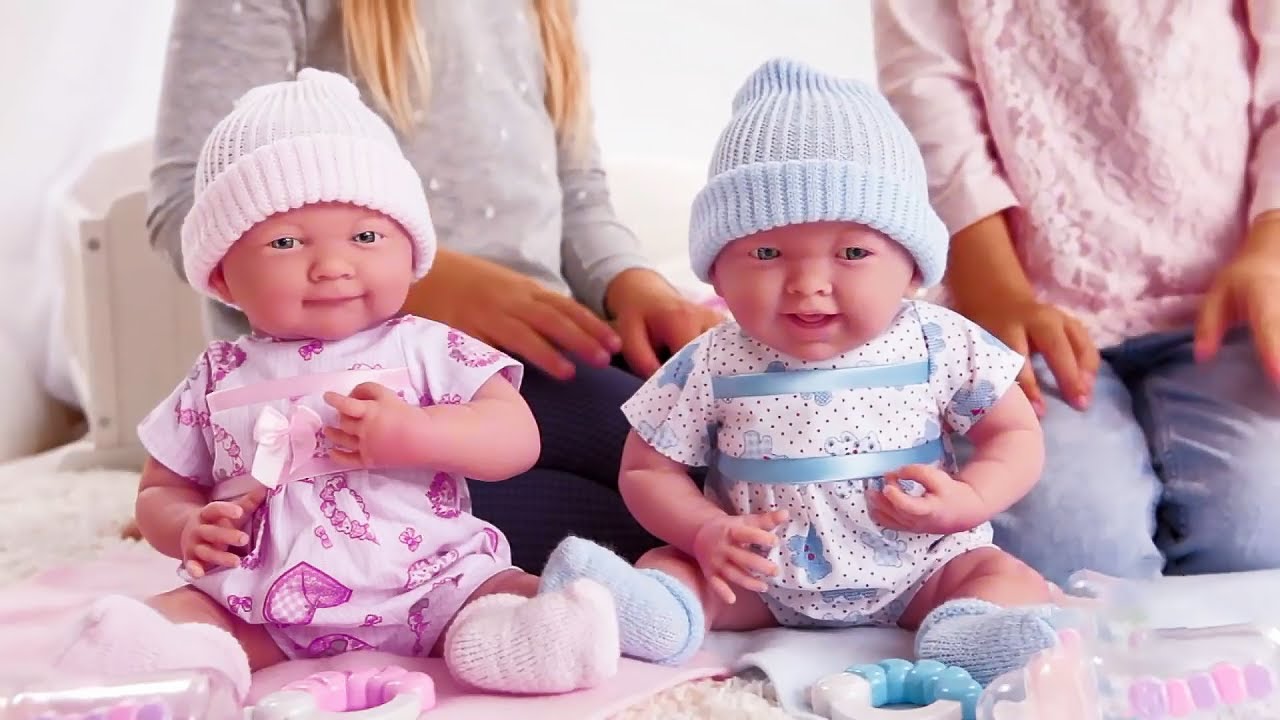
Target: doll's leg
[
  {"x": 180, "y": 629},
  {"x": 747, "y": 612},
  {"x": 661, "y": 613},
  {"x": 508, "y": 638},
  {"x": 985, "y": 611}
]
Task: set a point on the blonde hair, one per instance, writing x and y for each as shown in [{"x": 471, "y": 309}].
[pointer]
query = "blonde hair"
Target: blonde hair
[{"x": 385, "y": 48}]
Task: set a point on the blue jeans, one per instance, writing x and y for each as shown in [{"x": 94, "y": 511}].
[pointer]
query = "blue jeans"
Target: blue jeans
[{"x": 1175, "y": 467}]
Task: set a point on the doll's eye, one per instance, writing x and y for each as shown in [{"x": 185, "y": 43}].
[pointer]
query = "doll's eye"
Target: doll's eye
[
  {"x": 855, "y": 253},
  {"x": 367, "y": 237},
  {"x": 765, "y": 253},
  {"x": 283, "y": 243}
]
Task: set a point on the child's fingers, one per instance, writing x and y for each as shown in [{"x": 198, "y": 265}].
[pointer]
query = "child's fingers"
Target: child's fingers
[
  {"x": 934, "y": 479},
  {"x": 1211, "y": 325},
  {"x": 373, "y": 391},
  {"x": 769, "y": 520},
  {"x": 735, "y": 576},
  {"x": 1055, "y": 346},
  {"x": 348, "y": 407},
  {"x": 907, "y": 505},
  {"x": 210, "y": 556},
  {"x": 346, "y": 458},
  {"x": 218, "y": 535},
  {"x": 721, "y": 589},
  {"x": 194, "y": 568},
  {"x": 1263, "y": 314},
  {"x": 742, "y": 534},
  {"x": 250, "y": 501},
  {"x": 884, "y": 515},
  {"x": 219, "y": 510},
  {"x": 752, "y": 562},
  {"x": 341, "y": 438}
]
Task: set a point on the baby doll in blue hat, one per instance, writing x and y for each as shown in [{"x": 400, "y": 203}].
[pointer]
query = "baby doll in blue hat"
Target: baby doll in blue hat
[{"x": 824, "y": 409}]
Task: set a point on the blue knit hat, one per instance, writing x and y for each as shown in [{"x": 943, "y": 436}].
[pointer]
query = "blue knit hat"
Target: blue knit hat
[{"x": 803, "y": 147}]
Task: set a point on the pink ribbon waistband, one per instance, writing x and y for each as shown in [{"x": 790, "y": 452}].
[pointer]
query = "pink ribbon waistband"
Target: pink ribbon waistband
[{"x": 340, "y": 381}]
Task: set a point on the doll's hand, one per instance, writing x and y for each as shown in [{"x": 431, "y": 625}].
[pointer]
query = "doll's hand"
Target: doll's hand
[
  {"x": 947, "y": 505},
  {"x": 723, "y": 549},
  {"x": 214, "y": 528},
  {"x": 375, "y": 427}
]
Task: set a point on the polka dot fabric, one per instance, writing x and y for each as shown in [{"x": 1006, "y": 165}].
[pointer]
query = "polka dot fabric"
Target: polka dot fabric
[{"x": 838, "y": 567}]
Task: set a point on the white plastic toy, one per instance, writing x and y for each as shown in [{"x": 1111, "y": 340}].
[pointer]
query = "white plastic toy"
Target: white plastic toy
[
  {"x": 1115, "y": 667},
  {"x": 390, "y": 693},
  {"x": 929, "y": 690},
  {"x": 182, "y": 695},
  {"x": 1214, "y": 673}
]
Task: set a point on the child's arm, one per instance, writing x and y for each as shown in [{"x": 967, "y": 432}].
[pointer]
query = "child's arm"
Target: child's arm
[
  {"x": 661, "y": 496},
  {"x": 491, "y": 437},
  {"x": 166, "y": 502},
  {"x": 923, "y": 68},
  {"x": 925, "y": 71},
  {"x": 177, "y": 518},
  {"x": 665, "y": 501},
  {"x": 1007, "y": 460},
  {"x": 1008, "y": 453}
]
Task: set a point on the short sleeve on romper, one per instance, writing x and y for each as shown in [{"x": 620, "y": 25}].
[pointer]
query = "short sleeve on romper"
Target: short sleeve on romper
[
  {"x": 448, "y": 366},
  {"x": 969, "y": 368},
  {"x": 177, "y": 433},
  {"x": 674, "y": 411}
]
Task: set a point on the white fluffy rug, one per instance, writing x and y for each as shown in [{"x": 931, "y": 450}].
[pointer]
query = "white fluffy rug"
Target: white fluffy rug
[{"x": 55, "y": 517}]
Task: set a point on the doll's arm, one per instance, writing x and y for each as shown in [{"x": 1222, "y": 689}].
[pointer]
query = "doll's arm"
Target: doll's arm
[
  {"x": 661, "y": 496},
  {"x": 1008, "y": 452},
  {"x": 492, "y": 437},
  {"x": 166, "y": 501}
]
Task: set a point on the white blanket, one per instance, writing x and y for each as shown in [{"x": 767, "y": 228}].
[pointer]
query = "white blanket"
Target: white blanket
[{"x": 794, "y": 659}]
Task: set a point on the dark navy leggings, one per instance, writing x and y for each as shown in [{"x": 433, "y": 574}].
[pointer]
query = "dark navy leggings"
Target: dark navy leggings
[{"x": 574, "y": 487}]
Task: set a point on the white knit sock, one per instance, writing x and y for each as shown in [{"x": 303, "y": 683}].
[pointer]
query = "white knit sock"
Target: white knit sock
[
  {"x": 120, "y": 636},
  {"x": 552, "y": 643}
]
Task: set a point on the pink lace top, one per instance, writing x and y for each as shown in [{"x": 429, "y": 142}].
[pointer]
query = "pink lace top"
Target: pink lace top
[{"x": 1135, "y": 139}]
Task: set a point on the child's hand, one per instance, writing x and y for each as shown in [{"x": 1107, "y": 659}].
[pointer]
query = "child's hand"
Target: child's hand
[
  {"x": 947, "y": 505},
  {"x": 374, "y": 427},
  {"x": 214, "y": 528},
  {"x": 1034, "y": 327},
  {"x": 1247, "y": 292},
  {"x": 723, "y": 549}
]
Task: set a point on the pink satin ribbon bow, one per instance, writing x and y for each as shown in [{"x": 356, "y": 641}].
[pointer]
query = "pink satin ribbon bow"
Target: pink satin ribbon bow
[{"x": 284, "y": 443}]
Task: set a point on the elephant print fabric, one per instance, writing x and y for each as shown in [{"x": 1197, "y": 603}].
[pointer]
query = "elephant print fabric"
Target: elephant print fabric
[
  {"x": 340, "y": 559},
  {"x": 837, "y": 565}
]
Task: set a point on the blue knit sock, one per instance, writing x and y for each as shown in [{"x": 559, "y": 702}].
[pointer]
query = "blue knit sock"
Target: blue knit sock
[
  {"x": 984, "y": 638},
  {"x": 659, "y": 619}
]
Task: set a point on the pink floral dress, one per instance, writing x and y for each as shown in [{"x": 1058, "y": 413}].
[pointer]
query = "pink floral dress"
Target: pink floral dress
[{"x": 339, "y": 559}]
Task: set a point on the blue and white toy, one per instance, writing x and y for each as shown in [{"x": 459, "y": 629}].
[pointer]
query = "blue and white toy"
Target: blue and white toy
[{"x": 928, "y": 689}]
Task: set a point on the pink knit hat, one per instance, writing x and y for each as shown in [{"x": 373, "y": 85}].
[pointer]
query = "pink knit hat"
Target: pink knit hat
[{"x": 291, "y": 144}]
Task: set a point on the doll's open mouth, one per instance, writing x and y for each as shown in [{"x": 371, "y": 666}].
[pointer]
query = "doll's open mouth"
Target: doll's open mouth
[
  {"x": 811, "y": 320},
  {"x": 331, "y": 301}
]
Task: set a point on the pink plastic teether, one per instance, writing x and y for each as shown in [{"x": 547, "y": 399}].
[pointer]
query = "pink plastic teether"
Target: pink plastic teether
[
  {"x": 1230, "y": 681},
  {"x": 1257, "y": 680},
  {"x": 389, "y": 693},
  {"x": 1179, "y": 697}
]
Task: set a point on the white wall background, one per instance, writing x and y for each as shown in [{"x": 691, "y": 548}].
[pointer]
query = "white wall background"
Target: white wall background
[
  {"x": 665, "y": 71},
  {"x": 85, "y": 77}
]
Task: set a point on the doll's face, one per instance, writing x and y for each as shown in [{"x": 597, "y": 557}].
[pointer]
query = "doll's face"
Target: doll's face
[
  {"x": 816, "y": 290},
  {"x": 325, "y": 271}
]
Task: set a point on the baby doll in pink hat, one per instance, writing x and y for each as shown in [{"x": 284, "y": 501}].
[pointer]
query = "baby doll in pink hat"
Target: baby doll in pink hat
[{"x": 310, "y": 475}]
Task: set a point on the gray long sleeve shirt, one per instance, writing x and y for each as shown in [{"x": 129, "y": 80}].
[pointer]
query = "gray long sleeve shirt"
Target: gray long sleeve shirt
[{"x": 499, "y": 184}]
